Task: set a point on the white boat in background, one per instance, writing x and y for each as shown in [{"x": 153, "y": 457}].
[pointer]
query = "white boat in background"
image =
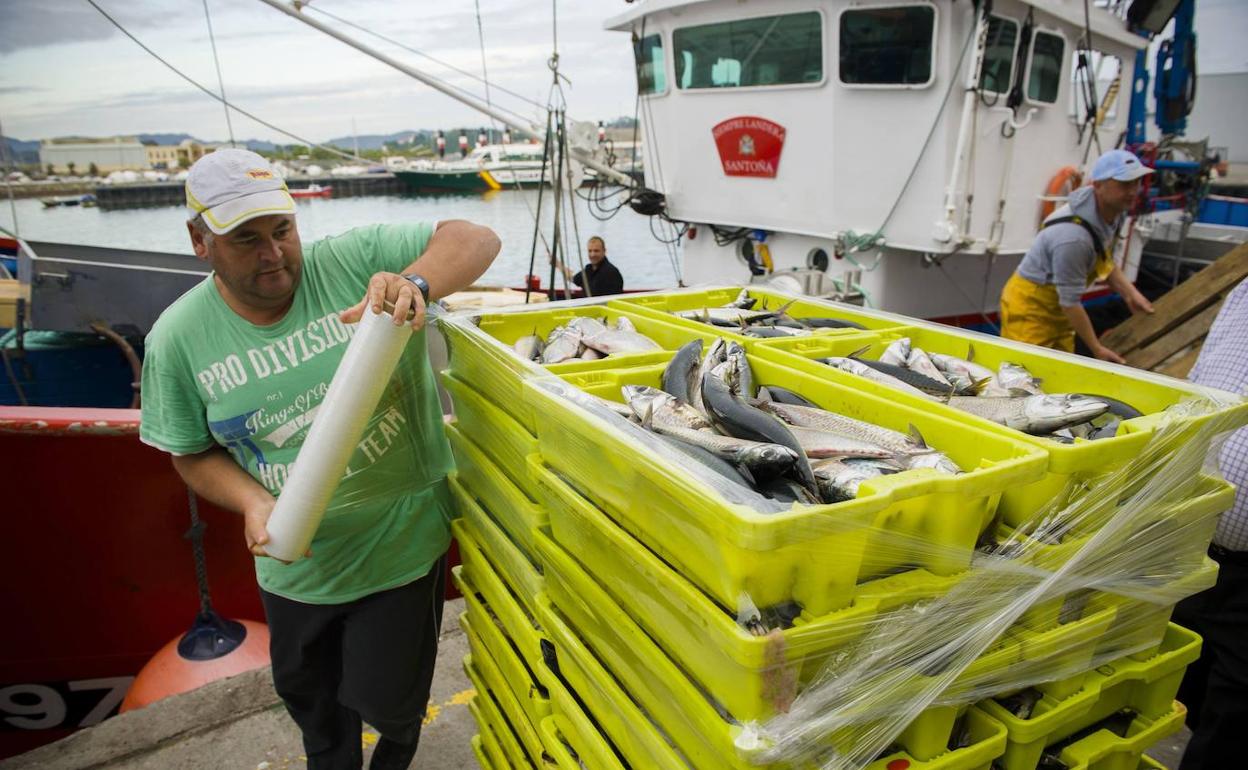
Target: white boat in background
[{"x": 870, "y": 147}]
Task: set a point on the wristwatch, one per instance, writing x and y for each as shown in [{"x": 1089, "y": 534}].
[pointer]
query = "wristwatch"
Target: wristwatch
[{"x": 419, "y": 283}]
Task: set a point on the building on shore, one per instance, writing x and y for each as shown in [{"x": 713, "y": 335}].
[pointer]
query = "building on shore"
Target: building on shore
[
  {"x": 181, "y": 155},
  {"x": 119, "y": 153}
]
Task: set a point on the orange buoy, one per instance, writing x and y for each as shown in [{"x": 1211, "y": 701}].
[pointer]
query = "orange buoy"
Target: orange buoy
[
  {"x": 213, "y": 649},
  {"x": 1064, "y": 182}
]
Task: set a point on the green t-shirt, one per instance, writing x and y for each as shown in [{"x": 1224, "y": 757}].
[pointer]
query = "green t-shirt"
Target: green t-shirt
[{"x": 211, "y": 378}]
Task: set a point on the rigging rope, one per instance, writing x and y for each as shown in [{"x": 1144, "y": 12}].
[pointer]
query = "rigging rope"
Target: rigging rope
[
  {"x": 409, "y": 49},
  {"x": 216, "y": 60},
  {"x": 211, "y": 93}
]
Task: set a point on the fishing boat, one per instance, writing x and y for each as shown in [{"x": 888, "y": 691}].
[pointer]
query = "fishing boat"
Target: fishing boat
[
  {"x": 897, "y": 154},
  {"x": 313, "y": 190},
  {"x": 86, "y": 199},
  {"x": 491, "y": 167}
]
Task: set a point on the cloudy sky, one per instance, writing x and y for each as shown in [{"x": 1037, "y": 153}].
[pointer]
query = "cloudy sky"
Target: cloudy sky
[{"x": 65, "y": 70}]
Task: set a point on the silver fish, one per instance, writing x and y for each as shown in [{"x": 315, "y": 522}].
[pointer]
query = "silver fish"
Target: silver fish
[
  {"x": 529, "y": 347},
  {"x": 562, "y": 344},
  {"x": 1032, "y": 414},
  {"x": 588, "y": 326},
  {"x": 745, "y": 377},
  {"x": 743, "y": 301},
  {"x": 830, "y": 422},
  {"x": 715, "y": 355},
  {"x": 965, "y": 367},
  {"x": 897, "y": 352},
  {"x": 733, "y": 473},
  {"x": 679, "y": 372},
  {"x": 658, "y": 409},
  {"x": 623, "y": 410},
  {"x": 589, "y": 354},
  {"x": 730, "y": 414},
  {"x": 818, "y": 444},
  {"x": 731, "y": 316},
  {"x": 614, "y": 342},
  {"x": 839, "y": 479},
  {"x": 935, "y": 460},
  {"x": 622, "y": 324},
  {"x": 760, "y": 457},
  {"x": 1016, "y": 378},
  {"x": 919, "y": 362},
  {"x": 866, "y": 372}
]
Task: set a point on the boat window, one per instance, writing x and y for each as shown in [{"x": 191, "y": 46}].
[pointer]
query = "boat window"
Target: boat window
[
  {"x": 763, "y": 51},
  {"x": 1045, "y": 73},
  {"x": 1106, "y": 71},
  {"x": 888, "y": 46},
  {"x": 651, "y": 74},
  {"x": 997, "y": 72}
]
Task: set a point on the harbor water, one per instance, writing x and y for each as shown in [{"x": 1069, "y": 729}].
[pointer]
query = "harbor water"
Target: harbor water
[{"x": 644, "y": 261}]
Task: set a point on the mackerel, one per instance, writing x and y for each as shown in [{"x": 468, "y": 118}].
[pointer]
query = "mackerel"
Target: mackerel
[
  {"x": 818, "y": 444},
  {"x": 783, "y": 396},
  {"x": 919, "y": 362},
  {"x": 615, "y": 342},
  {"x": 679, "y": 373},
  {"x": 860, "y": 368},
  {"x": 839, "y": 479},
  {"x": 1016, "y": 378},
  {"x": 1033, "y": 414},
  {"x": 897, "y": 352},
  {"x": 529, "y": 347},
  {"x": 715, "y": 355},
  {"x": 736, "y": 418},
  {"x": 657, "y": 409}
]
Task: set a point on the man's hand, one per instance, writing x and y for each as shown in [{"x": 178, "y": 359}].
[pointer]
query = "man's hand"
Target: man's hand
[
  {"x": 390, "y": 289},
  {"x": 1137, "y": 303},
  {"x": 1105, "y": 354},
  {"x": 254, "y": 520},
  {"x": 255, "y": 530}
]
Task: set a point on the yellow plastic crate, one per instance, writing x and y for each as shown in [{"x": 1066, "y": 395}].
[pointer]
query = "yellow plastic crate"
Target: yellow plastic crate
[
  {"x": 562, "y": 746},
  {"x": 1146, "y": 687},
  {"x": 478, "y": 751},
  {"x": 479, "y": 576},
  {"x": 638, "y": 740},
  {"x": 483, "y": 358},
  {"x": 1070, "y": 465},
  {"x": 704, "y": 738},
  {"x": 1021, "y": 651},
  {"x": 503, "y": 440},
  {"x": 494, "y": 732},
  {"x": 576, "y": 727},
  {"x": 665, "y": 304},
  {"x": 753, "y": 677},
  {"x": 515, "y": 569},
  {"x": 510, "y": 506},
  {"x": 508, "y": 743},
  {"x": 814, "y": 555},
  {"x": 1104, "y": 750},
  {"x": 487, "y": 678},
  {"x": 485, "y": 637}
]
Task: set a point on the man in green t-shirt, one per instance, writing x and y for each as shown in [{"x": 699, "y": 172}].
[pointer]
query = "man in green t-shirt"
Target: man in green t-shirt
[{"x": 233, "y": 375}]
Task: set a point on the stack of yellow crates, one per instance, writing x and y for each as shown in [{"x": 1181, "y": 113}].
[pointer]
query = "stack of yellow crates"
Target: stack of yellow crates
[{"x": 606, "y": 590}]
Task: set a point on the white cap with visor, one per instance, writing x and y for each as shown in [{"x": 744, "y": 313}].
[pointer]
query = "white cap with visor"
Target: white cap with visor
[{"x": 229, "y": 187}]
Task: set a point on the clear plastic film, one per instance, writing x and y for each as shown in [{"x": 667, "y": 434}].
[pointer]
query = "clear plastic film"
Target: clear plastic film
[
  {"x": 691, "y": 610},
  {"x": 368, "y": 437}
]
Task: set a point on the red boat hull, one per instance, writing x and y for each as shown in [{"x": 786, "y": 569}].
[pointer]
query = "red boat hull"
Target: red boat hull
[{"x": 96, "y": 572}]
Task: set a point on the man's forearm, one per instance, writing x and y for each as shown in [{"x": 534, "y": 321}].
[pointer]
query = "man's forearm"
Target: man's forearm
[
  {"x": 458, "y": 254},
  {"x": 217, "y": 478},
  {"x": 1117, "y": 281},
  {"x": 1078, "y": 318}
]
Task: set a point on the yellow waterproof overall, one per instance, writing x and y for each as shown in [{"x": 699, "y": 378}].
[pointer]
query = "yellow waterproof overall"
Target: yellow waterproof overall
[{"x": 1031, "y": 313}]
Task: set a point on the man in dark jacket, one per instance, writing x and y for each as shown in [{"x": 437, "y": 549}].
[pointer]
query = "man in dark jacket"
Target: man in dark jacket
[{"x": 600, "y": 277}]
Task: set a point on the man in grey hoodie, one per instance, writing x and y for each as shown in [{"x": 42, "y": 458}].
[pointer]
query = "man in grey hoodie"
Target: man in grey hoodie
[{"x": 1041, "y": 303}]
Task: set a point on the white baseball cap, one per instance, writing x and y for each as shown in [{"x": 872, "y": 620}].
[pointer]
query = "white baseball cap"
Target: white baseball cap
[
  {"x": 1120, "y": 165},
  {"x": 229, "y": 187}
]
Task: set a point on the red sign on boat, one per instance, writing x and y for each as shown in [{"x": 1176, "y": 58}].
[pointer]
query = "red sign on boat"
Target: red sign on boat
[{"x": 749, "y": 146}]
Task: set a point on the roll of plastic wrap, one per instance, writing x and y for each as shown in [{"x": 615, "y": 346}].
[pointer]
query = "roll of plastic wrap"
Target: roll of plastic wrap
[{"x": 340, "y": 421}]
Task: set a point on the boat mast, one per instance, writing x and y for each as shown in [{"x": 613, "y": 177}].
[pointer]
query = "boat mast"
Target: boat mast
[{"x": 582, "y": 155}]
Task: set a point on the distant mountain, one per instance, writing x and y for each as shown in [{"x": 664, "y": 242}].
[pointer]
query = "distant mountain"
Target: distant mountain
[
  {"x": 19, "y": 151},
  {"x": 164, "y": 139},
  {"x": 375, "y": 141}
]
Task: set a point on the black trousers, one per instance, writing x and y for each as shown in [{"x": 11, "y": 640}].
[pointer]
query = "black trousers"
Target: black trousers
[
  {"x": 1215, "y": 688},
  {"x": 335, "y": 665}
]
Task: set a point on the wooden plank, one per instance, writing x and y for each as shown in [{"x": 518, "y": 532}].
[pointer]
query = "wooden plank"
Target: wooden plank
[
  {"x": 1189, "y": 298},
  {"x": 1193, "y": 330},
  {"x": 1181, "y": 365}
]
